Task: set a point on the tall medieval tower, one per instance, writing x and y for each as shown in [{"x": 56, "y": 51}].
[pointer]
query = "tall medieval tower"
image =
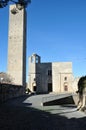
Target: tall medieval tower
[{"x": 17, "y": 44}]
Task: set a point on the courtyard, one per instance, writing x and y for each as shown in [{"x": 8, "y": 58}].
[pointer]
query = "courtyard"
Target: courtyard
[{"x": 22, "y": 114}]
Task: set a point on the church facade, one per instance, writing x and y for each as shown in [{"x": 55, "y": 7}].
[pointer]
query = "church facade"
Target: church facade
[{"x": 49, "y": 77}]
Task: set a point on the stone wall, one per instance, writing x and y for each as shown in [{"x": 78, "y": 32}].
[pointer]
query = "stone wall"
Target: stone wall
[
  {"x": 8, "y": 91},
  {"x": 60, "y": 71}
]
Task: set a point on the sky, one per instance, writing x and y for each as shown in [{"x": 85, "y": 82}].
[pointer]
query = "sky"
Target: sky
[{"x": 56, "y": 30}]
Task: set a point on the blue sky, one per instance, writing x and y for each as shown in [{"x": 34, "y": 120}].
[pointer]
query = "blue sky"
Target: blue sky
[{"x": 56, "y": 30}]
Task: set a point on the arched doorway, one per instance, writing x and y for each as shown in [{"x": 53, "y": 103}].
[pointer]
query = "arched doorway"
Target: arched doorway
[
  {"x": 65, "y": 86},
  {"x": 34, "y": 88}
]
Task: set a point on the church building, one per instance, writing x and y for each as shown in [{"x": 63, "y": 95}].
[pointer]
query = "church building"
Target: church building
[{"x": 49, "y": 76}]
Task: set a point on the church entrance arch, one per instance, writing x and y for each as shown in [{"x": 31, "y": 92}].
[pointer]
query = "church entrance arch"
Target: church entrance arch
[{"x": 34, "y": 88}]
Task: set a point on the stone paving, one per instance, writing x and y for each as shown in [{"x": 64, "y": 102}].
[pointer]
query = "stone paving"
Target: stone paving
[{"x": 23, "y": 114}]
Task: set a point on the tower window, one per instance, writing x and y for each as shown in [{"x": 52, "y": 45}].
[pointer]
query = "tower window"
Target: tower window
[
  {"x": 65, "y": 78},
  {"x": 36, "y": 59},
  {"x": 65, "y": 88}
]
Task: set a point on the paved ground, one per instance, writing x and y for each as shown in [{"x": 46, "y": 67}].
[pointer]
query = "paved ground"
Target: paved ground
[{"x": 27, "y": 114}]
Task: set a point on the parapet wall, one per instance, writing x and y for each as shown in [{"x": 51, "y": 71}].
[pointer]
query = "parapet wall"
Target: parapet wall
[{"x": 8, "y": 91}]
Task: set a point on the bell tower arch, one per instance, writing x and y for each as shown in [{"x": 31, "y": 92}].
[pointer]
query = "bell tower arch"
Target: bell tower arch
[{"x": 35, "y": 58}]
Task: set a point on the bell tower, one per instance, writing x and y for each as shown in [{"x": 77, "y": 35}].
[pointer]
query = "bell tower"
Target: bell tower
[
  {"x": 17, "y": 44},
  {"x": 34, "y": 59}
]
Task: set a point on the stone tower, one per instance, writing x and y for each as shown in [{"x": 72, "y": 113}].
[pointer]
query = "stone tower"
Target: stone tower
[
  {"x": 17, "y": 44},
  {"x": 33, "y": 75}
]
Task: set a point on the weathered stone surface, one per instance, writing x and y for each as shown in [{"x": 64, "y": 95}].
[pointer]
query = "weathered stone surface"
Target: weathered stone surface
[
  {"x": 17, "y": 45},
  {"x": 8, "y": 91}
]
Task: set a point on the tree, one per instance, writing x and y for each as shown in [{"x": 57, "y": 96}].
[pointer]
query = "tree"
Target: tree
[
  {"x": 82, "y": 92},
  {"x": 4, "y": 3},
  {"x": 5, "y": 78}
]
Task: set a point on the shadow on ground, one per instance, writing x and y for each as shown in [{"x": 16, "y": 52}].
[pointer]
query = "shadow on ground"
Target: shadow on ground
[
  {"x": 66, "y": 100},
  {"x": 17, "y": 116}
]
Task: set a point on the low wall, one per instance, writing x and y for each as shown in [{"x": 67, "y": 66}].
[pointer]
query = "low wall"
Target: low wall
[{"x": 8, "y": 91}]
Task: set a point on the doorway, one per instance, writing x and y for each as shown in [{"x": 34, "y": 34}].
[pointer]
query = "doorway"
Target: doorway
[
  {"x": 34, "y": 88},
  {"x": 49, "y": 87}
]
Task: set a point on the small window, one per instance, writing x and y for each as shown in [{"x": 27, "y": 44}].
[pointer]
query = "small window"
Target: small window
[
  {"x": 37, "y": 59},
  {"x": 65, "y": 78},
  {"x": 49, "y": 72},
  {"x": 34, "y": 88},
  {"x": 65, "y": 88}
]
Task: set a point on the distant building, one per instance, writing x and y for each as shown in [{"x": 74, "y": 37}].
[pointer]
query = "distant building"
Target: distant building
[
  {"x": 49, "y": 77},
  {"x": 17, "y": 45}
]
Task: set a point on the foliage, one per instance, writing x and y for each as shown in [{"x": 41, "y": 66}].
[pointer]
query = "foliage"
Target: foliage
[
  {"x": 4, "y": 3},
  {"x": 5, "y": 78}
]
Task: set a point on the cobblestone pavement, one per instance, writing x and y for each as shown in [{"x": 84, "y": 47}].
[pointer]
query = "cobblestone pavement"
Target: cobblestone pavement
[{"x": 20, "y": 115}]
